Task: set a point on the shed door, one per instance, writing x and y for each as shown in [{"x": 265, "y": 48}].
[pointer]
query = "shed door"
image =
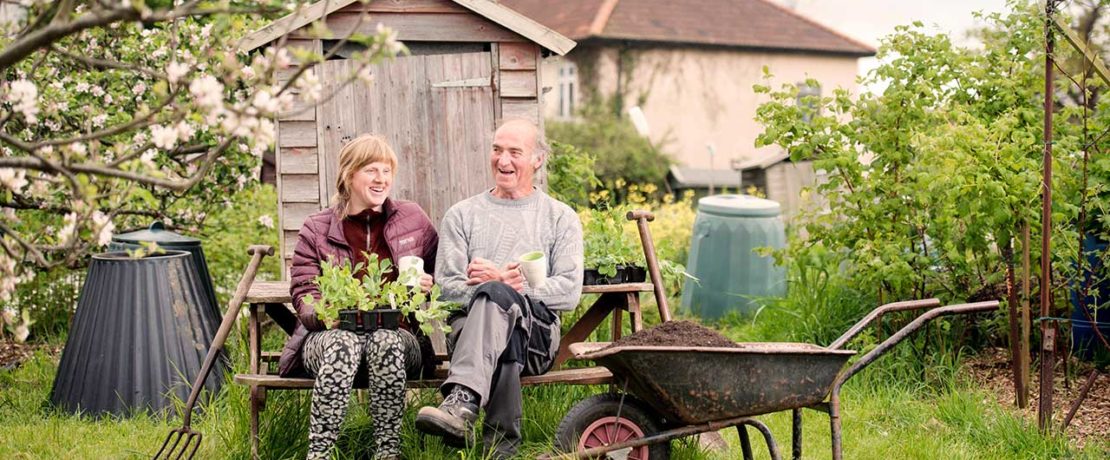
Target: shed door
[{"x": 435, "y": 110}]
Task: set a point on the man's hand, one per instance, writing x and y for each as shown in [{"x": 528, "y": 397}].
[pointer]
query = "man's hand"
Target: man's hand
[
  {"x": 481, "y": 270},
  {"x": 513, "y": 277},
  {"x": 426, "y": 283}
]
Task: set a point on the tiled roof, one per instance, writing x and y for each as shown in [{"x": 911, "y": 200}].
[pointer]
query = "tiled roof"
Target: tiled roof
[{"x": 731, "y": 23}]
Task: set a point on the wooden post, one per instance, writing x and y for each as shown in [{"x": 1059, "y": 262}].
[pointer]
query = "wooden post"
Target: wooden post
[
  {"x": 1048, "y": 328},
  {"x": 1012, "y": 305},
  {"x": 1023, "y": 398}
]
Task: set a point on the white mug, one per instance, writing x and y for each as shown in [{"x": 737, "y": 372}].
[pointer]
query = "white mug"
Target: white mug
[
  {"x": 409, "y": 270},
  {"x": 533, "y": 265}
]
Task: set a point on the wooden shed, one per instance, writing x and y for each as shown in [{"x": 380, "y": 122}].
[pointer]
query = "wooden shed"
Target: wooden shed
[{"x": 472, "y": 63}]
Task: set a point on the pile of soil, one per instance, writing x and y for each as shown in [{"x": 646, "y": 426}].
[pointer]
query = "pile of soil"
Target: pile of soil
[{"x": 677, "y": 334}]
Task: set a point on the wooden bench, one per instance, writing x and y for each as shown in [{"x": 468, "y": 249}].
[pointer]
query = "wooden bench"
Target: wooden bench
[{"x": 273, "y": 299}]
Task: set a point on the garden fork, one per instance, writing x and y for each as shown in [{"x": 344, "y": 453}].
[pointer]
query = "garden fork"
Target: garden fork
[{"x": 184, "y": 440}]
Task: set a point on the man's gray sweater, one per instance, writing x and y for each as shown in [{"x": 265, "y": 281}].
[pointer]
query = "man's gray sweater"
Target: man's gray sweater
[{"x": 501, "y": 231}]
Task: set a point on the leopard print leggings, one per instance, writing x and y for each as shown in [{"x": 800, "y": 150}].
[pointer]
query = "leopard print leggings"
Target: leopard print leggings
[{"x": 334, "y": 357}]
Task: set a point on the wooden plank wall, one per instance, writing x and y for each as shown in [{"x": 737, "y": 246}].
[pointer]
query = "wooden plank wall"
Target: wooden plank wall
[
  {"x": 297, "y": 159},
  {"x": 446, "y": 138},
  {"x": 439, "y": 129}
]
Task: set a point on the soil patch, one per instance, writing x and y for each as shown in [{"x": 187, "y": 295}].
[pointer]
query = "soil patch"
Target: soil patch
[
  {"x": 991, "y": 368},
  {"x": 12, "y": 354},
  {"x": 677, "y": 334}
]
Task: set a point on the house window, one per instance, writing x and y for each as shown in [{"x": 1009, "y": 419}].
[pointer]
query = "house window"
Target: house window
[
  {"x": 809, "y": 100},
  {"x": 567, "y": 81}
]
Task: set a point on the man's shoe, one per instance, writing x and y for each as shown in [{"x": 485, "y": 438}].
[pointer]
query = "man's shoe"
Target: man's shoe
[{"x": 453, "y": 418}]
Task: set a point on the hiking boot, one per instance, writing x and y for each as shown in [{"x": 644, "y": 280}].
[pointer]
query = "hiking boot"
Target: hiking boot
[{"x": 453, "y": 418}]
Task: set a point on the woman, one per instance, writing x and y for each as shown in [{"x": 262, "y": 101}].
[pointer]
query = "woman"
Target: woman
[{"x": 363, "y": 219}]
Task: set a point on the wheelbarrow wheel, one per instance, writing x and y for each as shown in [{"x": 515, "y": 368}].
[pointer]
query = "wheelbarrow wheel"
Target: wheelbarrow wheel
[{"x": 593, "y": 422}]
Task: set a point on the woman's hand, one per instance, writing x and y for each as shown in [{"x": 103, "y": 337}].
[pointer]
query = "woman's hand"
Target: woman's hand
[{"x": 426, "y": 282}]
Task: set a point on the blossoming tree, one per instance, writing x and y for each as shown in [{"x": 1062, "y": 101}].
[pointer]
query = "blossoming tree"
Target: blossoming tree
[{"x": 115, "y": 111}]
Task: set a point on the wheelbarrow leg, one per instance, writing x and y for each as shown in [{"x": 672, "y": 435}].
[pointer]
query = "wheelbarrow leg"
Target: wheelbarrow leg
[
  {"x": 834, "y": 423},
  {"x": 796, "y": 435},
  {"x": 745, "y": 443}
]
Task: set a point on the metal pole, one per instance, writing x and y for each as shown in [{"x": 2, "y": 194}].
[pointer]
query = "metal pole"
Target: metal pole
[{"x": 1048, "y": 328}]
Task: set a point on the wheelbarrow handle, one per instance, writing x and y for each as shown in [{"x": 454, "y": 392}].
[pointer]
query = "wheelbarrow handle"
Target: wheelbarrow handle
[
  {"x": 876, "y": 313},
  {"x": 908, "y": 329},
  {"x": 257, "y": 252}
]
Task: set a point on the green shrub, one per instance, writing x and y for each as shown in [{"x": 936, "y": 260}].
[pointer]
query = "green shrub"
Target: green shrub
[
  {"x": 248, "y": 217},
  {"x": 620, "y": 152}
]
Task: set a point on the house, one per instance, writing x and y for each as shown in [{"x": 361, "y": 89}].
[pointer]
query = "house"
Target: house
[
  {"x": 471, "y": 63},
  {"x": 690, "y": 66}
]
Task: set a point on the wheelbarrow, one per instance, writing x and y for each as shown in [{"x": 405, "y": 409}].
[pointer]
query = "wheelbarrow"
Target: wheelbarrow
[{"x": 671, "y": 392}]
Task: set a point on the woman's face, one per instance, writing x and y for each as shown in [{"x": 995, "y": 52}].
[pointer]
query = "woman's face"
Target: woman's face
[{"x": 370, "y": 187}]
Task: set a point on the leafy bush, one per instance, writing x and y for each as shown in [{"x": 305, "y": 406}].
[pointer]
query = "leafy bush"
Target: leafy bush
[
  {"x": 245, "y": 218},
  {"x": 570, "y": 174},
  {"x": 620, "y": 152}
]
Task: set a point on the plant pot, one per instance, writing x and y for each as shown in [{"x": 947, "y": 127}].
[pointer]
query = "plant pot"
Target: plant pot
[
  {"x": 591, "y": 277},
  {"x": 634, "y": 274},
  {"x": 369, "y": 320}
]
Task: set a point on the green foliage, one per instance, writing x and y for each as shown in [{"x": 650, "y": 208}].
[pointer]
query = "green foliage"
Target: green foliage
[
  {"x": 146, "y": 248},
  {"x": 606, "y": 243},
  {"x": 340, "y": 289},
  {"x": 571, "y": 174},
  {"x": 620, "y": 152},
  {"x": 930, "y": 178},
  {"x": 246, "y": 218}
]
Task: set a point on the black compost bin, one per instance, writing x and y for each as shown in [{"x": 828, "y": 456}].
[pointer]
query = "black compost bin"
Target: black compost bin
[
  {"x": 139, "y": 335},
  {"x": 168, "y": 240}
]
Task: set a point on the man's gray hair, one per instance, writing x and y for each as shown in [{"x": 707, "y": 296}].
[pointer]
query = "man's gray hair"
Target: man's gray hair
[{"x": 542, "y": 147}]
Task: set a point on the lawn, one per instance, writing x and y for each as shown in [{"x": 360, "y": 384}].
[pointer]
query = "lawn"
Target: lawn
[{"x": 883, "y": 419}]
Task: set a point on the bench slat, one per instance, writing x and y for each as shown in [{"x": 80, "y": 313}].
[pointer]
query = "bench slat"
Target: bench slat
[
  {"x": 278, "y": 291},
  {"x": 581, "y": 376}
]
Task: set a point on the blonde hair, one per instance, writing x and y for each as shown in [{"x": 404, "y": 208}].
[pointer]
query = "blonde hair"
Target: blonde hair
[{"x": 363, "y": 150}]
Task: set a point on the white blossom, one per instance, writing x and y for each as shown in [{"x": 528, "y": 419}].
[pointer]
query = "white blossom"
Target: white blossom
[
  {"x": 69, "y": 227},
  {"x": 21, "y": 333},
  {"x": 389, "y": 39},
  {"x": 366, "y": 75},
  {"x": 108, "y": 99},
  {"x": 265, "y": 102},
  {"x": 175, "y": 70},
  {"x": 24, "y": 98},
  {"x": 138, "y": 89},
  {"x": 81, "y": 87},
  {"x": 310, "y": 87},
  {"x": 208, "y": 91},
  {"x": 13, "y": 179},
  {"x": 148, "y": 157},
  {"x": 96, "y": 90},
  {"x": 164, "y": 137},
  {"x": 9, "y": 314},
  {"x": 98, "y": 121},
  {"x": 104, "y": 227},
  {"x": 184, "y": 130},
  {"x": 78, "y": 148},
  {"x": 248, "y": 72}
]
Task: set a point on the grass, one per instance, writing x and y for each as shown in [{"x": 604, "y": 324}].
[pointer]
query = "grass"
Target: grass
[{"x": 884, "y": 418}]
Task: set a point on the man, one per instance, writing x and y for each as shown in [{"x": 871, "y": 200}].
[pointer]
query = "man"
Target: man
[{"x": 507, "y": 328}]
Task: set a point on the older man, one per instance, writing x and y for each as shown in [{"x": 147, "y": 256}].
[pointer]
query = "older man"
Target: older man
[{"x": 508, "y": 327}]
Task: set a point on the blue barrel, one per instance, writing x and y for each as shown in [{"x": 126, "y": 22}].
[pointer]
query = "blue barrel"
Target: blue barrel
[
  {"x": 1084, "y": 342},
  {"x": 727, "y": 231}
]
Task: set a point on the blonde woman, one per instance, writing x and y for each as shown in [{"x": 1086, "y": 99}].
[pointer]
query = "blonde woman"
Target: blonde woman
[{"x": 362, "y": 219}]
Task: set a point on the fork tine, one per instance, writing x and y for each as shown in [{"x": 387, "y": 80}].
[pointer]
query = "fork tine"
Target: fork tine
[
  {"x": 176, "y": 436},
  {"x": 195, "y": 439}
]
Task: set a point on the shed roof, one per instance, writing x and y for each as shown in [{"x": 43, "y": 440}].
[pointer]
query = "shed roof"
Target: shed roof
[
  {"x": 496, "y": 12},
  {"x": 702, "y": 178},
  {"x": 757, "y": 24}
]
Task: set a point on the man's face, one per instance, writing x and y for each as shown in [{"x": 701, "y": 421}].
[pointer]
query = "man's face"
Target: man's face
[{"x": 513, "y": 159}]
